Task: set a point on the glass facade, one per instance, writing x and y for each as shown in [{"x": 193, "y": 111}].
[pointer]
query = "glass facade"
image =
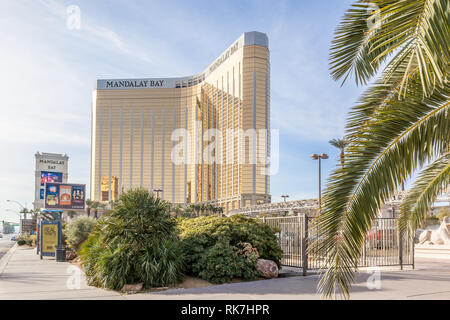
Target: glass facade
[{"x": 224, "y": 113}]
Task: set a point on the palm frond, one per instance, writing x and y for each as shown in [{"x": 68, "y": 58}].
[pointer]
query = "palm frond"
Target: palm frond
[
  {"x": 416, "y": 31},
  {"x": 430, "y": 183},
  {"x": 351, "y": 48},
  {"x": 420, "y": 29},
  {"x": 397, "y": 139}
]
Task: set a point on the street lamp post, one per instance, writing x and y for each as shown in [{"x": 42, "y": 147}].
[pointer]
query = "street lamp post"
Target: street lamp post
[
  {"x": 319, "y": 157},
  {"x": 15, "y": 211},
  {"x": 24, "y": 210},
  {"x": 284, "y": 196},
  {"x": 20, "y": 217},
  {"x": 157, "y": 192}
]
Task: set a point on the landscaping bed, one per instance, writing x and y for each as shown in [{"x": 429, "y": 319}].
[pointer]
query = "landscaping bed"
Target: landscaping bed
[{"x": 140, "y": 247}]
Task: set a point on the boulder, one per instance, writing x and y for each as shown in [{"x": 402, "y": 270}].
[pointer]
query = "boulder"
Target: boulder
[
  {"x": 132, "y": 288},
  {"x": 425, "y": 236},
  {"x": 70, "y": 255},
  {"x": 267, "y": 268}
]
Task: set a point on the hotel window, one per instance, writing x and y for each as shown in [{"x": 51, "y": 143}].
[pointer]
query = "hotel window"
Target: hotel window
[
  {"x": 105, "y": 196},
  {"x": 177, "y": 84},
  {"x": 105, "y": 188}
]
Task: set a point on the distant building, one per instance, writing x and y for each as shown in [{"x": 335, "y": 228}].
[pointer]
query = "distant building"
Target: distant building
[
  {"x": 50, "y": 167},
  {"x": 133, "y": 121}
]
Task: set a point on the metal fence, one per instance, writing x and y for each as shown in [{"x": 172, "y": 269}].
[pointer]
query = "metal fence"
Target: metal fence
[{"x": 384, "y": 245}]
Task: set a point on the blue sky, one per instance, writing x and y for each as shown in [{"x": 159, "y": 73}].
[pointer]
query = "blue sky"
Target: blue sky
[{"x": 48, "y": 73}]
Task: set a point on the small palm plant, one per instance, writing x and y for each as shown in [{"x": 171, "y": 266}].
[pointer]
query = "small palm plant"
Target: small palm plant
[{"x": 135, "y": 243}]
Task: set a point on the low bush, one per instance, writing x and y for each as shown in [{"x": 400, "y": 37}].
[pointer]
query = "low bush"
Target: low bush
[
  {"x": 33, "y": 240},
  {"x": 26, "y": 239},
  {"x": 136, "y": 243},
  {"x": 219, "y": 249},
  {"x": 78, "y": 231}
]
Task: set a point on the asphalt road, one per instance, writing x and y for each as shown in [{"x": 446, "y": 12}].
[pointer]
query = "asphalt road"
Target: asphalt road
[{"x": 5, "y": 244}]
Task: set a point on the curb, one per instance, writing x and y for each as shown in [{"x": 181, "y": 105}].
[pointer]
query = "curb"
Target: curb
[{"x": 5, "y": 259}]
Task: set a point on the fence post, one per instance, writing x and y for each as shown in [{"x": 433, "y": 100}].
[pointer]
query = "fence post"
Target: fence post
[
  {"x": 305, "y": 245},
  {"x": 400, "y": 249},
  {"x": 412, "y": 251}
]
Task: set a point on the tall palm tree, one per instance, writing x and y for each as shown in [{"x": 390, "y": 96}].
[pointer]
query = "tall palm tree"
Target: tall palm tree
[
  {"x": 400, "y": 123},
  {"x": 89, "y": 203},
  {"x": 340, "y": 144},
  {"x": 98, "y": 205}
]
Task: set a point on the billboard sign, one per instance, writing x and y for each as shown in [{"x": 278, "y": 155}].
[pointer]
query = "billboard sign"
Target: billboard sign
[
  {"x": 64, "y": 196},
  {"x": 52, "y": 177}
]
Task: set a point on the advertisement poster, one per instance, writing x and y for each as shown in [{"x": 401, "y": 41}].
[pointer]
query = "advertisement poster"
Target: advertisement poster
[
  {"x": 49, "y": 237},
  {"x": 51, "y": 177},
  {"x": 78, "y": 193},
  {"x": 51, "y": 195},
  {"x": 41, "y": 193},
  {"x": 64, "y": 196}
]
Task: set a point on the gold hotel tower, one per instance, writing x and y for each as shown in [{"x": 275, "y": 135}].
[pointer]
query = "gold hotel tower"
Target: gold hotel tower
[{"x": 133, "y": 121}]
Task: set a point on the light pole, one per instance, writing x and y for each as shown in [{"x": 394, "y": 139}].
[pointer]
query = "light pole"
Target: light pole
[
  {"x": 157, "y": 192},
  {"x": 319, "y": 157},
  {"x": 24, "y": 210},
  {"x": 20, "y": 218},
  {"x": 284, "y": 196},
  {"x": 15, "y": 211}
]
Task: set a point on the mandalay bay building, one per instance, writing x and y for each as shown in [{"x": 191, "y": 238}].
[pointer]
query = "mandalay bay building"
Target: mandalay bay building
[{"x": 197, "y": 139}]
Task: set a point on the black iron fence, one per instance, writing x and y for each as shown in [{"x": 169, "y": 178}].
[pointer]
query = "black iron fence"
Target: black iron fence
[{"x": 384, "y": 245}]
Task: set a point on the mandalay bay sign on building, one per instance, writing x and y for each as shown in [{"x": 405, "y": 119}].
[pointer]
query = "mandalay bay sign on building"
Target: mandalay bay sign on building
[{"x": 202, "y": 138}]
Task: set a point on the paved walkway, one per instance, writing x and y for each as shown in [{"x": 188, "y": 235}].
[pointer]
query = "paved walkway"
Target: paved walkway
[{"x": 25, "y": 276}]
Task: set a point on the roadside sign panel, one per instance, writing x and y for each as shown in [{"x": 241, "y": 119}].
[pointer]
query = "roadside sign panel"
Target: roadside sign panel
[
  {"x": 64, "y": 196},
  {"x": 50, "y": 237}
]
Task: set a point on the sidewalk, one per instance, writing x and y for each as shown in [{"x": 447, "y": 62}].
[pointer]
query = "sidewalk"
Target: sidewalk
[{"x": 27, "y": 277}]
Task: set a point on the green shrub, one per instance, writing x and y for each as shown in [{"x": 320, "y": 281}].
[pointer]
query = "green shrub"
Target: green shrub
[
  {"x": 136, "y": 243},
  {"x": 26, "y": 239},
  {"x": 222, "y": 262},
  {"x": 78, "y": 231},
  {"x": 218, "y": 249}
]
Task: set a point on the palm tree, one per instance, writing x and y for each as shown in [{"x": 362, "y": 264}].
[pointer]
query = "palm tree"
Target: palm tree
[
  {"x": 196, "y": 208},
  {"x": 340, "y": 144},
  {"x": 399, "y": 124},
  {"x": 89, "y": 203},
  {"x": 98, "y": 205},
  {"x": 71, "y": 214}
]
